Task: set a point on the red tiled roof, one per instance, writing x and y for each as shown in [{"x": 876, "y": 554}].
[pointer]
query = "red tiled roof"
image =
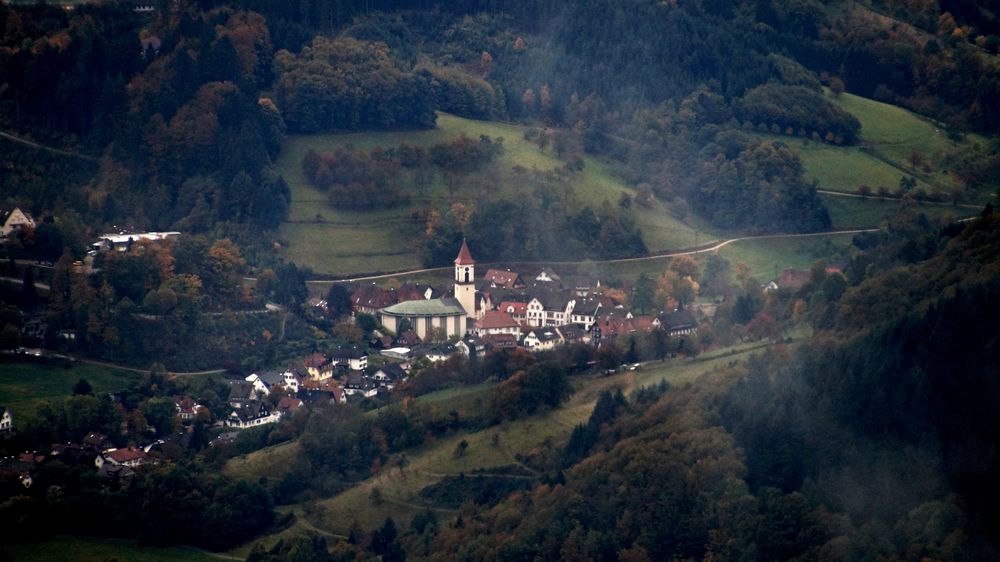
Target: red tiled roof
[
  {"x": 496, "y": 319},
  {"x": 464, "y": 256},
  {"x": 289, "y": 403},
  {"x": 410, "y": 292},
  {"x": 371, "y": 296},
  {"x": 501, "y": 278},
  {"x": 122, "y": 456},
  {"x": 500, "y": 340},
  {"x": 514, "y": 307}
]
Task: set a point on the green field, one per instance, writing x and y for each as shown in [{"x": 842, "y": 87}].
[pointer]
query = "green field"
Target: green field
[
  {"x": 890, "y": 136},
  {"x": 846, "y": 168},
  {"x": 101, "y": 550},
  {"x": 767, "y": 257},
  {"x": 852, "y": 212},
  {"x": 22, "y": 385},
  {"x": 338, "y": 242}
]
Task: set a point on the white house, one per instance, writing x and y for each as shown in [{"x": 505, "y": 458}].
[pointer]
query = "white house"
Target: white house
[
  {"x": 441, "y": 352},
  {"x": 541, "y": 340},
  {"x": 260, "y": 388},
  {"x": 550, "y": 309},
  {"x": 264, "y": 382},
  {"x": 497, "y": 322},
  {"x": 122, "y": 242},
  {"x": 15, "y": 220},
  {"x": 471, "y": 346},
  {"x": 389, "y": 375},
  {"x": 355, "y": 359},
  {"x": 358, "y": 383},
  {"x": 6, "y": 421},
  {"x": 252, "y": 414},
  {"x": 121, "y": 457},
  {"x": 546, "y": 275},
  {"x": 585, "y": 312}
]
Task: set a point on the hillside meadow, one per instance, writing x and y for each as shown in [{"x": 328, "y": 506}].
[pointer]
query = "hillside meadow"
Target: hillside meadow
[
  {"x": 23, "y": 384},
  {"x": 893, "y": 139},
  {"x": 338, "y": 242}
]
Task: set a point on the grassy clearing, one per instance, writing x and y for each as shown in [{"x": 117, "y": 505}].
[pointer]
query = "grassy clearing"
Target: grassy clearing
[
  {"x": 895, "y": 131},
  {"x": 23, "y": 385},
  {"x": 850, "y": 212},
  {"x": 767, "y": 257},
  {"x": 260, "y": 464},
  {"x": 338, "y": 242},
  {"x": 841, "y": 168},
  {"x": 101, "y": 550},
  {"x": 890, "y": 137}
]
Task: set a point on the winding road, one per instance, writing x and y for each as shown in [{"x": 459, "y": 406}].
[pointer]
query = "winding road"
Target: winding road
[
  {"x": 33, "y": 144},
  {"x": 711, "y": 246}
]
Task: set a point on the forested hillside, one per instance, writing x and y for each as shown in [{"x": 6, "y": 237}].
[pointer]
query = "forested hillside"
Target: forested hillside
[
  {"x": 866, "y": 442},
  {"x": 187, "y": 109}
]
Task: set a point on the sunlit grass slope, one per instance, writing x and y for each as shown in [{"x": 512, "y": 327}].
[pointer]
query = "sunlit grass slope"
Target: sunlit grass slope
[
  {"x": 890, "y": 137},
  {"x": 339, "y": 242}
]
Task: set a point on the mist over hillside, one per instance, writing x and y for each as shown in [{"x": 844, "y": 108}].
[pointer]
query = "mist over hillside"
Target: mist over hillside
[{"x": 499, "y": 280}]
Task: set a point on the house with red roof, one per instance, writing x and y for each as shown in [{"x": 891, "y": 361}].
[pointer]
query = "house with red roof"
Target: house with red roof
[
  {"x": 370, "y": 298},
  {"x": 500, "y": 341},
  {"x": 129, "y": 457},
  {"x": 517, "y": 310},
  {"x": 502, "y": 279},
  {"x": 497, "y": 322}
]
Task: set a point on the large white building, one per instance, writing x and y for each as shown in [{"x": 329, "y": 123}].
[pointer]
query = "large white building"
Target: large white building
[{"x": 440, "y": 318}]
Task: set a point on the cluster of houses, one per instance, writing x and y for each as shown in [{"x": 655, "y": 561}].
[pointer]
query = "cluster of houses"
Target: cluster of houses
[
  {"x": 258, "y": 399},
  {"x": 95, "y": 450},
  {"x": 317, "y": 378},
  {"x": 506, "y": 309}
]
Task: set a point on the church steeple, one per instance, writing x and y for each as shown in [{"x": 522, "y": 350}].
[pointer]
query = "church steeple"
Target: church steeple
[
  {"x": 465, "y": 266},
  {"x": 465, "y": 280},
  {"x": 464, "y": 255}
]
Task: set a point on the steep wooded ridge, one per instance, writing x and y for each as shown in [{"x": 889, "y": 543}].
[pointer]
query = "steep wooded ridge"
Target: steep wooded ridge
[{"x": 864, "y": 443}]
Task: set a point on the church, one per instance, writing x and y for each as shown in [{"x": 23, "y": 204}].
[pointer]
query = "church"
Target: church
[{"x": 440, "y": 318}]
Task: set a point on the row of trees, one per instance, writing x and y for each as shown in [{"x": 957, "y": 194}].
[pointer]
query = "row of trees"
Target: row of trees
[
  {"x": 359, "y": 180},
  {"x": 546, "y": 223}
]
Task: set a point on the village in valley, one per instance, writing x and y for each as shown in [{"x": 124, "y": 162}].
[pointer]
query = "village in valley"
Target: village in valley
[
  {"x": 418, "y": 326},
  {"x": 333, "y": 281}
]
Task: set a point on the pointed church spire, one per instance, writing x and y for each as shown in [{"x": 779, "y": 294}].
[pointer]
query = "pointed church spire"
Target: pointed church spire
[{"x": 464, "y": 256}]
